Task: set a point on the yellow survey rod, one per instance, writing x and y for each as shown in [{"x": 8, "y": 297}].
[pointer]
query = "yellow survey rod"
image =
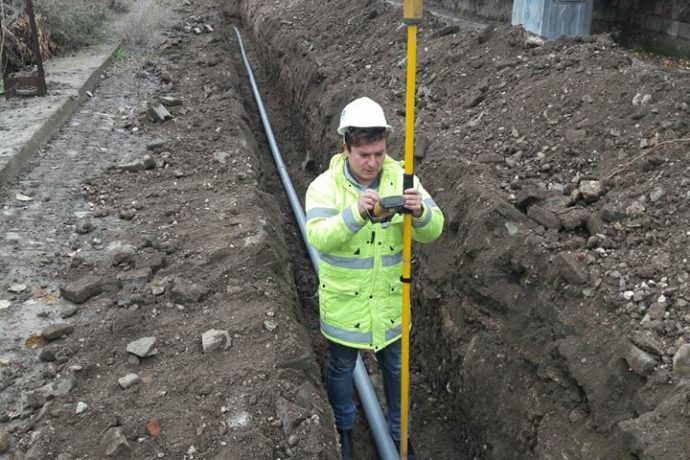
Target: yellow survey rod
[{"x": 412, "y": 13}]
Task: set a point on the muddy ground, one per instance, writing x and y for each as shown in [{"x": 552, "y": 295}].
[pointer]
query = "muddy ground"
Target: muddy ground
[{"x": 551, "y": 319}]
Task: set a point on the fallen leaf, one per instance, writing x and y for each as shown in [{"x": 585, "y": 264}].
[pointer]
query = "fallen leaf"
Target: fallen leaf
[
  {"x": 35, "y": 341},
  {"x": 153, "y": 428}
]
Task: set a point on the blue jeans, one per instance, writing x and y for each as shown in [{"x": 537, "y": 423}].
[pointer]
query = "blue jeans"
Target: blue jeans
[{"x": 339, "y": 372}]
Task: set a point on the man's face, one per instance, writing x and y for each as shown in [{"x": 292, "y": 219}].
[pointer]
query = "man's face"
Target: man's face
[{"x": 366, "y": 161}]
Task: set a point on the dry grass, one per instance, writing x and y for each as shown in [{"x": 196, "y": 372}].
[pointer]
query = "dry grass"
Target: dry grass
[
  {"x": 74, "y": 23},
  {"x": 144, "y": 20}
]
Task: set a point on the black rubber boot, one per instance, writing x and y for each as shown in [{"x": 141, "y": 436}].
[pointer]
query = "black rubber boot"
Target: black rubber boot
[{"x": 346, "y": 447}]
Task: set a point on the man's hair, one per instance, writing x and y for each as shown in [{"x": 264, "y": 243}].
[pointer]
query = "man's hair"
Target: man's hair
[{"x": 364, "y": 136}]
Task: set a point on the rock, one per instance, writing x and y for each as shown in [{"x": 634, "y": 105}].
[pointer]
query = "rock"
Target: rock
[
  {"x": 641, "y": 99},
  {"x": 657, "y": 194},
  {"x": 17, "y": 288},
  {"x": 611, "y": 213},
  {"x": 270, "y": 325},
  {"x": 81, "y": 407},
  {"x": 421, "y": 143},
  {"x": 57, "y": 389},
  {"x": 156, "y": 144},
  {"x": 114, "y": 443},
  {"x": 591, "y": 190},
  {"x": 485, "y": 35},
  {"x": 139, "y": 164},
  {"x": 67, "y": 311},
  {"x": 575, "y": 136},
  {"x": 5, "y": 304},
  {"x": 184, "y": 291},
  {"x": 124, "y": 255},
  {"x": 55, "y": 331},
  {"x": 128, "y": 381},
  {"x": 543, "y": 217},
  {"x": 154, "y": 261},
  {"x": 447, "y": 30},
  {"x": 289, "y": 414},
  {"x": 556, "y": 204},
  {"x": 5, "y": 441},
  {"x": 647, "y": 342},
  {"x": 594, "y": 224},
  {"x": 641, "y": 362},
  {"x": 83, "y": 226},
  {"x": 143, "y": 347},
  {"x": 221, "y": 157},
  {"x": 81, "y": 290},
  {"x": 137, "y": 278},
  {"x": 570, "y": 268},
  {"x": 127, "y": 214},
  {"x": 47, "y": 355},
  {"x": 159, "y": 113},
  {"x": 636, "y": 209},
  {"x": 212, "y": 339},
  {"x": 657, "y": 310},
  {"x": 170, "y": 101},
  {"x": 681, "y": 361},
  {"x": 474, "y": 99},
  {"x": 528, "y": 196},
  {"x": 101, "y": 211},
  {"x": 573, "y": 218}
]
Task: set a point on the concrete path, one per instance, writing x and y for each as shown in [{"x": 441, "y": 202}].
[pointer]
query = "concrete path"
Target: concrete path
[{"x": 27, "y": 123}]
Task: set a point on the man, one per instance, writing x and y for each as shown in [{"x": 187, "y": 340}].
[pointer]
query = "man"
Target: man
[{"x": 360, "y": 293}]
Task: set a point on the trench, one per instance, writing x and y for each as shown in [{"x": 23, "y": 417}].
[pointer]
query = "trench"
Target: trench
[{"x": 438, "y": 433}]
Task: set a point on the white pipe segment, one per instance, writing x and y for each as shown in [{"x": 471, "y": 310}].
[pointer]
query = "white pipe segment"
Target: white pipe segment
[{"x": 365, "y": 390}]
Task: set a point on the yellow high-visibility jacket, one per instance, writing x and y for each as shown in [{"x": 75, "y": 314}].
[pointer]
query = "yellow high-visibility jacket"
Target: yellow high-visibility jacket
[{"x": 360, "y": 293}]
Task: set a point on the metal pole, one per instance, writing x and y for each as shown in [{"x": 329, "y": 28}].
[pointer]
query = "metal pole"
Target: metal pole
[{"x": 412, "y": 12}]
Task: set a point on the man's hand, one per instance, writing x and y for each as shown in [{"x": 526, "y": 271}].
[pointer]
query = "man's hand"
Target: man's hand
[
  {"x": 413, "y": 201},
  {"x": 366, "y": 201}
]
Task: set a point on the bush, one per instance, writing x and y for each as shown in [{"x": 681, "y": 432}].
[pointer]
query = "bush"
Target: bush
[
  {"x": 145, "y": 18},
  {"x": 74, "y": 23}
]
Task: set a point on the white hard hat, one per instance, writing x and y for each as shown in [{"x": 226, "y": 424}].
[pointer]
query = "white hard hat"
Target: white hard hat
[{"x": 362, "y": 113}]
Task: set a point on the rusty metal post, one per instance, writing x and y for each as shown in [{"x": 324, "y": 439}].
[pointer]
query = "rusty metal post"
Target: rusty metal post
[{"x": 41, "y": 84}]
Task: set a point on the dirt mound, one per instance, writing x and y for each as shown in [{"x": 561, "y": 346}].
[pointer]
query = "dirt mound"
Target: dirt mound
[{"x": 558, "y": 293}]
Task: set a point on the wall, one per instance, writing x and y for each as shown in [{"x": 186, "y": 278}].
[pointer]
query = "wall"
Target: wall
[{"x": 661, "y": 25}]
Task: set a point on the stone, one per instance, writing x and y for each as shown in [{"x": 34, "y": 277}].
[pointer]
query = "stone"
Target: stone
[
  {"x": 127, "y": 213},
  {"x": 573, "y": 218},
  {"x": 143, "y": 347},
  {"x": 528, "y": 196},
  {"x": 47, "y": 355},
  {"x": 657, "y": 194},
  {"x": 156, "y": 144},
  {"x": 570, "y": 268},
  {"x": 81, "y": 290},
  {"x": 128, "y": 381},
  {"x": 556, "y": 204},
  {"x": 474, "y": 99},
  {"x": 289, "y": 414},
  {"x": 83, "y": 226},
  {"x": 447, "y": 30},
  {"x": 611, "y": 213},
  {"x": 185, "y": 291},
  {"x": 137, "y": 278},
  {"x": 681, "y": 361},
  {"x": 67, "y": 311},
  {"x": 635, "y": 209},
  {"x": 157, "y": 112},
  {"x": 81, "y": 407},
  {"x": 591, "y": 190},
  {"x": 5, "y": 441},
  {"x": 575, "y": 136},
  {"x": 114, "y": 443},
  {"x": 57, "y": 389},
  {"x": 543, "y": 217},
  {"x": 657, "y": 310},
  {"x": 647, "y": 342},
  {"x": 270, "y": 325},
  {"x": 213, "y": 339},
  {"x": 641, "y": 362},
  {"x": 170, "y": 101},
  {"x": 594, "y": 224},
  {"x": 155, "y": 261},
  {"x": 55, "y": 331},
  {"x": 101, "y": 211},
  {"x": 221, "y": 157},
  {"x": 17, "y": 288},
  {"x": 138, "y": 164}
]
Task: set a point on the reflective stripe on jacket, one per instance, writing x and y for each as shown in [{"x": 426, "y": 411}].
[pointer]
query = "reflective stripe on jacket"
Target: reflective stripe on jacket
[{"x": 360, "y": 294}]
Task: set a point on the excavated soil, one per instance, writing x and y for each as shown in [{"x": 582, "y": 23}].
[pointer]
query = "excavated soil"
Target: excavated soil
[{"x": 550, "y": 320}]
